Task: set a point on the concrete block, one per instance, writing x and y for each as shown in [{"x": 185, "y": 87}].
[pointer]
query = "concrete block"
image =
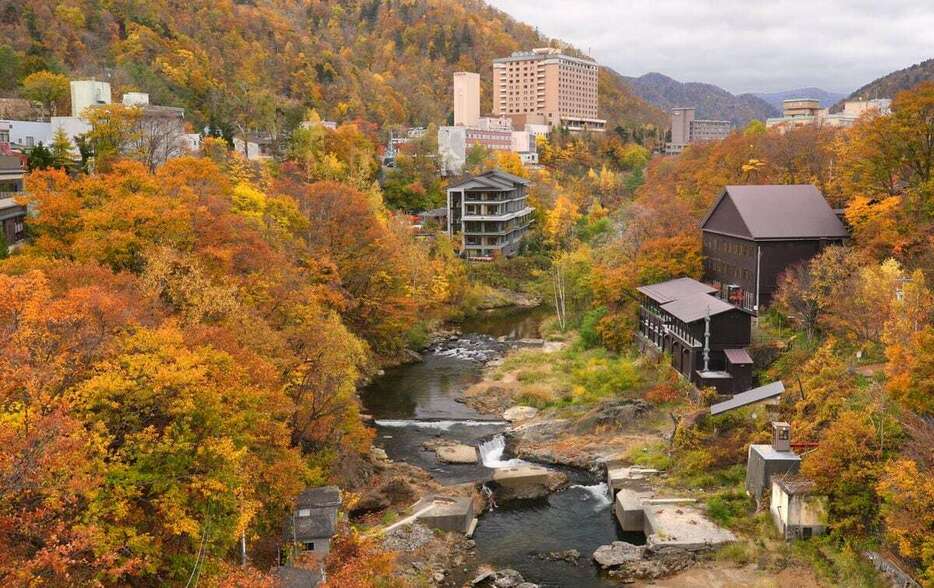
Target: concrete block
[
  {"x": 683, "y": 526},
  {"x": 520, "y": 476},
  {"x": 457, "y": 454},
  {"x": 448, "y": 513},
  {"x": 628, "y": 477},
  {"x": 628, "y": 508}
]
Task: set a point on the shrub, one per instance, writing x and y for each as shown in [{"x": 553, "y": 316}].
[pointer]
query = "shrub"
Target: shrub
[
  {"x": 602, "y": 376},
  {"x": 537, "y": 395},
  {"x": 662, "y": 394},
  {"x": 589, "y": 336}
]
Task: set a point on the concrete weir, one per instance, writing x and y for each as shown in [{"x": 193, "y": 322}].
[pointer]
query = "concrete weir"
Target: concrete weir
[
  {"x": 673, "y": 524},
  {"x": 448, "y": 513},
  {"x": 666, "y": 522}
]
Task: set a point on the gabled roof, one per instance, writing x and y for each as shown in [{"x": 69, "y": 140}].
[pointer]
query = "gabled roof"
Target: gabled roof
[
  {"x": 493, "y": 179},
  {"x": 664, "y": 292},
  {"x": 774, "y": 212},
  {"x": 696, "y": 306},
  {"x": 749, "y": 397}
]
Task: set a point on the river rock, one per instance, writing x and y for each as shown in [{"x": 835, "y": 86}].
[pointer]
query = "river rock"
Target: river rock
[
  {"x": 407, "y": 538},
  {"x": 457, "y": 454},
  {"x": 615, "y": 415},
  {"x": 379, "y": 454},
  {"x": 652, "y": 569},
  {"x": 617, "y": 553},
  {"x": 505, "y": 578},
  {"x": 629, "y": 562},
  {"x": 571, "y": 556},
  {"x": 519, "y": 413}
]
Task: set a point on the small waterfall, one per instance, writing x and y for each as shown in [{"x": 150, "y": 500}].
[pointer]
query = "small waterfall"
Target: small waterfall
[
  {"x": 600, "y": 492},
  {"x": 491, "y": 454}
]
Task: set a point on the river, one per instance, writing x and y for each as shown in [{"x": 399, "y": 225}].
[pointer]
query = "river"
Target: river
[{"x": 414, "y": 403}]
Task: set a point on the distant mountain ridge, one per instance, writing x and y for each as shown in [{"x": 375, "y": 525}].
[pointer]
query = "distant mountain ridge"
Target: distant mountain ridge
[
  {"x": 827, "y": 99},
  {"x": 711, "y": 102},
  {"x": 891, "y": 84}
]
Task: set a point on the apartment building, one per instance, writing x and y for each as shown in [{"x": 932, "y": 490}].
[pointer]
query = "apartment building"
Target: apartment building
[
  {"x": 686, "y": 130},
  {"x": 560, "y": 88},
  {"x": 490, "y": 212}
]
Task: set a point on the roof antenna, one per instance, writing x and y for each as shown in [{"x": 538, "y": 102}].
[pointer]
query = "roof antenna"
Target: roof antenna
[{"x": 707, "y": 339}]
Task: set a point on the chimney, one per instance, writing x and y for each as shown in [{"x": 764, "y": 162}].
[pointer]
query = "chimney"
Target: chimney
[{"x": 781, "y": 436}]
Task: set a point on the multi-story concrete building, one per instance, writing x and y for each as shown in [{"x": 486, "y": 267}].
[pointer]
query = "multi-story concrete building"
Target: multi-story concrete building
[
  {"x": 799, "y": 112},
  {"x": 685, "y": 130},
  {"x": 466, "y": 98},
  {"x": 560, "y": 88},
  {"x": 490, "y": 212}
]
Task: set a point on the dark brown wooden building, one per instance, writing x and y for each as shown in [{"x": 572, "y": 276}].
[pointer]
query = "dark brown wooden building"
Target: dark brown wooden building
[
  {"x": 753, "y": 233},
  {"x": 673, "y": 318}
]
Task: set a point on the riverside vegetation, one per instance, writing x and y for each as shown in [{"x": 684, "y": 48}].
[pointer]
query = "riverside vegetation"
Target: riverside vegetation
[{"x": 181, "y": 347}]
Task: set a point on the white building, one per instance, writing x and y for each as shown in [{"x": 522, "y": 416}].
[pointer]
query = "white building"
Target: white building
[
  {"x": 25, "y": 134},
  {"x": 85, "y": 93},
  {"x": 798, "y": 512},
  {"x": 800, "y": 112}
]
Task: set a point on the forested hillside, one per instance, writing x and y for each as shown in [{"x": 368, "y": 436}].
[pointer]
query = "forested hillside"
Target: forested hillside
[
  {"x": 891, "y": 84},
  {"x": 711, "y": 101},
  {"x": 259, "y": 65}
]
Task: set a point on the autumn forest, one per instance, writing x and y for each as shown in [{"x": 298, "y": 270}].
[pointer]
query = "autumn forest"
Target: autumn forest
[{"x": 182, "y": 344}]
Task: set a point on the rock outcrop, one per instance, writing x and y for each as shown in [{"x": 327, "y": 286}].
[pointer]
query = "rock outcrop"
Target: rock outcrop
[
  {"x": 505, "y": 578},
  {"x": 629, "y": 562},
  {"x": 519, "y": 413}
]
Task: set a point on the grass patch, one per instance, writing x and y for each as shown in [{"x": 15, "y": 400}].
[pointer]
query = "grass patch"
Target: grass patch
[
  {"x": 732, "y": 509},
  {"x": 739, "y": 553},
  {"x": 574, "y": 376},
  {"x": 653, "y": 456},
  {"x": 840, "y": 566},
  {"x": 389, "y": 517}
]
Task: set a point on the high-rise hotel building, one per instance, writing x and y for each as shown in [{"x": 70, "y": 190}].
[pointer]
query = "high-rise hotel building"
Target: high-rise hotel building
[{"x": 548, "y": 86}]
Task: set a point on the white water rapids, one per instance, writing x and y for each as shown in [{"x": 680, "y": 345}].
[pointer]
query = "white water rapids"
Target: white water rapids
[
  {"x": 491, "y": 454},
  {"x": 600, "y": 492}
]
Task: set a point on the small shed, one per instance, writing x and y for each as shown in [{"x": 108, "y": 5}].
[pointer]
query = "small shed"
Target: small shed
[
  {"x": 765, "y": 461},
  {"x": 313, "y": 522},
  {"x": 798, "y": 512}
]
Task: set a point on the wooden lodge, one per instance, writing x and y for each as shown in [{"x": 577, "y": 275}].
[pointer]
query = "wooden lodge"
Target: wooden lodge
[
  {"x": 705, "y": 336},
  {"x": 753, "y": 233}
]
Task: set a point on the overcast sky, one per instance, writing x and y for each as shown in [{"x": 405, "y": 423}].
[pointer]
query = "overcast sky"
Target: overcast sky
[{"x": 743, "y": 45}]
